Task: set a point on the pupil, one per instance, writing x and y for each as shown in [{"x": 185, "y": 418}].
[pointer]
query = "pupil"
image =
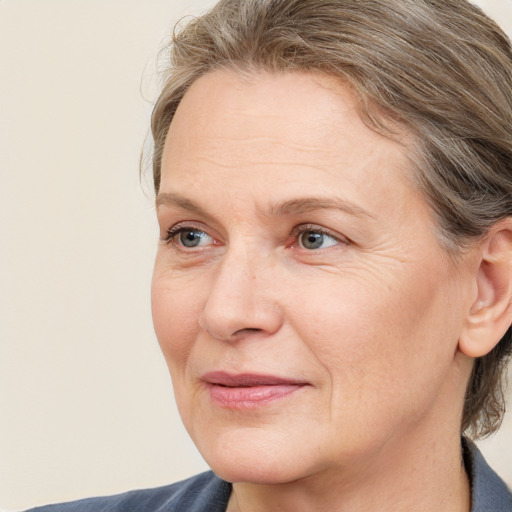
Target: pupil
[
  {"x": 190, "y": 238},
  {"x": 312, "y": 240}
]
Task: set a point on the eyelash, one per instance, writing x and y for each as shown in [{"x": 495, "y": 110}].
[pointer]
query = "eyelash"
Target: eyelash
[
  {"x": 174, "y": 231},
  {"x": 296, "y": 232},
  {"x": 304, "y": 228}
]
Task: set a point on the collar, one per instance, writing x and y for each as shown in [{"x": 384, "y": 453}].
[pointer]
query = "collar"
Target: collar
[{"x": 488, "y": 491}]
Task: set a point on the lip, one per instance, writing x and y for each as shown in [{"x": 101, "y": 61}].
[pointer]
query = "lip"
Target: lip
[{"x": 248, "y": 390}]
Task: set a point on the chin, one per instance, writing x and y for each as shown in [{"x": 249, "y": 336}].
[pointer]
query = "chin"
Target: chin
[
  {"x": 255, "y": 456},
  {"x": 256, "y": 472}
]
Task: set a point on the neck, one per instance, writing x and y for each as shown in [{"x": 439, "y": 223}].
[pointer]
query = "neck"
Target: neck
[{"x": 403, "y": 476}]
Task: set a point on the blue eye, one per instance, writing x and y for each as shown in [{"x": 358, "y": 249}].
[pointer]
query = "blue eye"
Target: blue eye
[
  {"x": 312, "y": 240},
  {"x": 189, "y": 237}
]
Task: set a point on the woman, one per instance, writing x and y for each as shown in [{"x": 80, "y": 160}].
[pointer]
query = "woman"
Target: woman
[{"x": 332, "y": 289}]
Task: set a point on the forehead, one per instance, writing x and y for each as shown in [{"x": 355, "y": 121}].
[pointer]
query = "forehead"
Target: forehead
[
  {"x": 313, "y": 110},
  {"x": 293, "y": 127},
  {"x": 264, "y": 93}
]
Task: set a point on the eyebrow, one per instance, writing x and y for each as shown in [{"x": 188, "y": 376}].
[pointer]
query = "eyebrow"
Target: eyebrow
[
  {"x": 308, "y": 204},
  {"x": 170, "y": 199},
  {"x": 281, "y": 208}
]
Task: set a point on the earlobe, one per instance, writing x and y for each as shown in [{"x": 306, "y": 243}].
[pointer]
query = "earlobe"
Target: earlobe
[{"x": 491, "y": 312}]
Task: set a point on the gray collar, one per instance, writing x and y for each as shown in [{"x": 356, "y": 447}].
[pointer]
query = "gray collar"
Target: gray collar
[{"x": 489, "y": 493}]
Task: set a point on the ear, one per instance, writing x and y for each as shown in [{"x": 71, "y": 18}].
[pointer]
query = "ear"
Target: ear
[{"x": 491, "y": 313}]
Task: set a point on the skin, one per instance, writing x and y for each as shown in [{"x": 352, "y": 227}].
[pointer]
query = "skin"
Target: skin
[{"x": 369, "y": 321}]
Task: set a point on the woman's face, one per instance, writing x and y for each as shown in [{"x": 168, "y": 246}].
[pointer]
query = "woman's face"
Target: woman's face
[{"x": 306, "y": 311}]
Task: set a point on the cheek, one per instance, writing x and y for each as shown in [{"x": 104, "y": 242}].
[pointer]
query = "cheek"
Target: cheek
[
  {"x": 176, "y": 311},
  {"x": 380, "y": 337}
]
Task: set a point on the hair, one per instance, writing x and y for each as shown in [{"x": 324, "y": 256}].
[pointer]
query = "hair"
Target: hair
[{"x": 439, "y": 68}]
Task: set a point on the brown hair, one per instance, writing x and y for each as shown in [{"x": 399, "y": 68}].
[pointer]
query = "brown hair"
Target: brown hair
[{"x": 439, "y": 67}]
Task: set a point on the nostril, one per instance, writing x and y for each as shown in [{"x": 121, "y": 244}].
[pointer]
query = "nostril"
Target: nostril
[
  {"x": 229, "y": 317},
  {"x": 247, "y": 330}
]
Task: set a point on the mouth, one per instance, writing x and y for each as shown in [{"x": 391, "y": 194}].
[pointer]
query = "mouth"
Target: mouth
[{"x": 247, "y": 390}]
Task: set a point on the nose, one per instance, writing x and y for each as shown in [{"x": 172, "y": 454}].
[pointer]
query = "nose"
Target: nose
[{"x": 242, "y": 299}]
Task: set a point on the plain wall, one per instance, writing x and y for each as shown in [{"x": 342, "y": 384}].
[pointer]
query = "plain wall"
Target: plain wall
[{"x": 86, "y": 406}]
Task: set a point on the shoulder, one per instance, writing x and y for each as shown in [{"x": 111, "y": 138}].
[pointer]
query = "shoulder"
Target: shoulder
[
  {"x": 489, "y": 492},
  {"x": 202, "y": 493}
]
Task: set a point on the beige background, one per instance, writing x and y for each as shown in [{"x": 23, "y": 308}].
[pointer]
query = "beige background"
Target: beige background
[{"x": 85, "y": 401}]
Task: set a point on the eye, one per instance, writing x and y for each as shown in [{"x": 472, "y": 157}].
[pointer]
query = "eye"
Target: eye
[
  {"x": 314, "y": 239},
  {"x": 188, "y": 237}
]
